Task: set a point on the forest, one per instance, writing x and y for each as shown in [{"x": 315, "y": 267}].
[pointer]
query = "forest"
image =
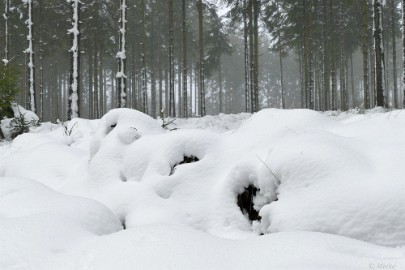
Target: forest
[
  {"x": 202, "y": 134},
  {"x": 184, "y": 58}
]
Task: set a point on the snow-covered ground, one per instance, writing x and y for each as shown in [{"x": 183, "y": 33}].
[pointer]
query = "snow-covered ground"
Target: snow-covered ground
[{"x": 124, "y": 193}]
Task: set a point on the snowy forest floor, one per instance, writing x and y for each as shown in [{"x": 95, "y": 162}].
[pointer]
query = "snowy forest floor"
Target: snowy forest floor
[{"x": 280, "y": 189}]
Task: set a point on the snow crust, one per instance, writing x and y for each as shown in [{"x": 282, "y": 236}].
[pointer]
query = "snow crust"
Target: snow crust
[{"x": 331, "y": 192}]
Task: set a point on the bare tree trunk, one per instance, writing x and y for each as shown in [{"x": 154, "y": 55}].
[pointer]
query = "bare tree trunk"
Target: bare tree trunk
[
  {"x": 96, "y": 82},
  {"x": 364, "y": 47},
  {"x": 394, "y": 56},
  {"x": 74, "y": 85},
  {"x": 122, "y": 57},
  {"x": 184, "y": 40},
  {"x": 326, "y": 58},
  {"x": 246, "y": 55},
  {"x": 280, "y": 54},
  {"x": 30, "y": 52},
  {"x": 201, "y": 60},
  {"x": 256, "y": 14},
  {"x": 403, "y": 51},
  {"x": 143, "y": 57},
  {"x": 220, "y": 86},
  {"x": 379, "y": 53},
  {"x": 6, "y": 58},
  {"x": 41, "y": 62},
  {"x": 251, "y": 58},
  {"x": 172, "y": 103}
]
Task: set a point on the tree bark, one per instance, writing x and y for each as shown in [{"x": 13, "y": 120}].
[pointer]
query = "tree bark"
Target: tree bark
[
  {"x": 184, "y": 43},
  {"x": 201, "y": 60},
  {"x": 379, "y": 53}
]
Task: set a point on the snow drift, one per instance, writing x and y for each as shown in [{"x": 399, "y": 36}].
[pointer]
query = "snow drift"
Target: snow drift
[{"x": 326, "y": 174}]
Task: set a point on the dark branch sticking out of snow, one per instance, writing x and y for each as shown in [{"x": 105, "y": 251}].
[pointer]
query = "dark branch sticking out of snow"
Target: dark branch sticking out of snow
[
  {"x": 123, "y": 177},
  {"x": 246, "y": 204},
  {"x": 186, "y": 160},
  {"x": 124, "y": 226}
]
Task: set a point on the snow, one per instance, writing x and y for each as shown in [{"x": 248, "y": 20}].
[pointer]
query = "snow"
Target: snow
[{"x": 331, "y": 192}]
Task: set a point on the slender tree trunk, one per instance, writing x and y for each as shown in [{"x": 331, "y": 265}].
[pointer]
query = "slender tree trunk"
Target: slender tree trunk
[
  {"x": 379, "y": 53},
  {"x": 326, "y": 57},
  {"x": 246, "y": 55},
  {"x": 280, "y": 54},
  {"x": 41, "y": 61},
  {"x": 74, "y": 85},
  {"x": 352, "y": 81},
  {"x": 184, "y": 41},
  {"x": 256, "y": 14},
  {"x": 172, "y": 104},
  {"x": 122, "y": 57},
  {"x": 220, "y": 86},
  {"x": 364, "y": 47},
  {"x": 143, "y": 57},
  {"x": 201, "y": 60},
  {"x": 96, "y": 82},
  {"x": 251, "y": 58},
  {"x": 30, "y": 52},
  {"x": 394, "y": 55},
  {"x": 311, "y": 57},
  {"x": 6, "y": 58},
  {"x": 403, "y": 52}
]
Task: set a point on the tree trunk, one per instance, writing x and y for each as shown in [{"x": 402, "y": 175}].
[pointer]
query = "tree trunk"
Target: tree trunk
[
  {"x": 122, "y": 56},
  {"x": 280, "y": 54},
  {"x": 403, "y": 51},
  {"x": 74, "y": 85},
  {"x": 246, "y": 55},
  {"x": 201, "y": 60},
  {"x": 256, "y": 14},
  {"x": 184, "y": 41},
  {"x": 379, "y": 52},
  {"x": 364, "y": 48},
  {"x": 394, "y": 56},
  {"x": 6, "y": 33},
  {"x": 31, "y": 65},
  {"x": 172, "y": 104},
  {"x": 143, "y": 57}
]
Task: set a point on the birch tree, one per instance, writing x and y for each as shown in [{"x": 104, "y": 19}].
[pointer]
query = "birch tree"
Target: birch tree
[
  {"x": 122, "y": 56},
  {"x": 74, "y": 81}
]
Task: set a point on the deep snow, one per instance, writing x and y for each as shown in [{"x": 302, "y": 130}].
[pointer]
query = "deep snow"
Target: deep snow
[{"x": 331, "y": 192}]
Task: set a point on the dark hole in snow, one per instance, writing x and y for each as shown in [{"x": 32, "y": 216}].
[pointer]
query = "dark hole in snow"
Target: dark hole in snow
[
  {"x": 246, "y": 204},
  {"x": 114, "y": 125},
  {"x": 186, "y": 160}
]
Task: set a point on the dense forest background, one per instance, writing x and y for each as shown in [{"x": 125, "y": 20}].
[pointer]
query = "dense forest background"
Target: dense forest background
[{"x": 190, "y": 58}]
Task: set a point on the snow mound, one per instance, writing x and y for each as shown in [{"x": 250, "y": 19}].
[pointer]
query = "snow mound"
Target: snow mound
[
  {"x": 46, "y": 159},
  {"x": 125, "y": 126},
  {"x": 179, "y": 247},
  {"x": 38, "y": 224}
]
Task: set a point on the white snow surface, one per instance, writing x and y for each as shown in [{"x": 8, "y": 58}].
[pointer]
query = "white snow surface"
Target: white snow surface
[{"x": 331, "y": 192}]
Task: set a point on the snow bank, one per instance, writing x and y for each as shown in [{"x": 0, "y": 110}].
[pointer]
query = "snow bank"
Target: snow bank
[
  {"x": 37, "y": 224},
  {"x": 182, "y": 248},
  {"x": 182, "y": 194}
]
